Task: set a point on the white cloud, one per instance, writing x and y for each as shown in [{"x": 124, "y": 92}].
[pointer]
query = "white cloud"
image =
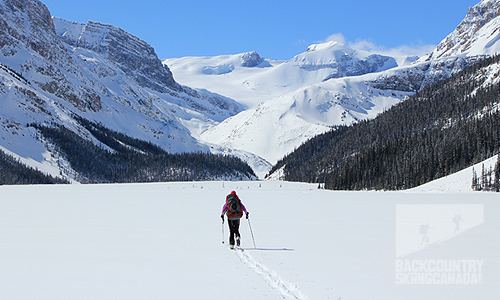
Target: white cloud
[
  {"x": 336, "y": 37},
  {"x": 366, "y": 45}
]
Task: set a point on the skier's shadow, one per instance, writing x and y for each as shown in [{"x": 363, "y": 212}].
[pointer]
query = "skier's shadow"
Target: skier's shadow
[{"x": 267, "y": 249}]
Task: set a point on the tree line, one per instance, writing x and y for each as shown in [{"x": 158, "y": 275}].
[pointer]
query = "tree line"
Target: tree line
[
  {"x": 489, "y": 179},
  {"x": 134, "y": 160},
  {"x": 13, "y": 171},
  {"x": 442, "y": 129}
]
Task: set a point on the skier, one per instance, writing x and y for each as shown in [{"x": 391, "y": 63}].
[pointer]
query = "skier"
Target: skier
[{"x": 234, "y": 210}]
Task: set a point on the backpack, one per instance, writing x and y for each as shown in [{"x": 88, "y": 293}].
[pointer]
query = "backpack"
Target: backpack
[{"x": 233, "y": 207}]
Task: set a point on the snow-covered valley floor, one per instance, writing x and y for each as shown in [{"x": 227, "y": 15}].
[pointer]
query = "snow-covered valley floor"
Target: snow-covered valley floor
[{"x": 164, "y": 241}]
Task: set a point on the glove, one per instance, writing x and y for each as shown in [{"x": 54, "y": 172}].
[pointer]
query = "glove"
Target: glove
[
  {"x": 247, "y": 215},
  {"x": 222, "y": 217}
]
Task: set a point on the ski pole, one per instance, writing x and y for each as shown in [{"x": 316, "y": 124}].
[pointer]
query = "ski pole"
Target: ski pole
[
  {"x": 251, "y": 231},
  {"x": 223, "y": 231}
]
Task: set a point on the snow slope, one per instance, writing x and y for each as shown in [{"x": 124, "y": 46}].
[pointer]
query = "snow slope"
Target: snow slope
[
  {"x": 277, "y": 126},
  {"x": 148, "y": 241},
  {"x": 224, "y": 74}
]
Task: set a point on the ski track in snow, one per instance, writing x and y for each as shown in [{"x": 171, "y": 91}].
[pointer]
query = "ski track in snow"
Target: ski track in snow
[{"x": 286, "y": 289}]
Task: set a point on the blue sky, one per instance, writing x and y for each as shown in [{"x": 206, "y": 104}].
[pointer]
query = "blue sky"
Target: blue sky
[{"x": 275, "y": 29}]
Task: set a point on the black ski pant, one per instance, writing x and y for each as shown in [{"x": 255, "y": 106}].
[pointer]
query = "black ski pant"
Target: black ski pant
[{"x": 234, "y": 230}]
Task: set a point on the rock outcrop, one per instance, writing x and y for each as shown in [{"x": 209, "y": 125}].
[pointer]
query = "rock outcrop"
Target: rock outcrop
[
  {"x": 468, "y": 33},
  {"x": 251, "y": 59}
]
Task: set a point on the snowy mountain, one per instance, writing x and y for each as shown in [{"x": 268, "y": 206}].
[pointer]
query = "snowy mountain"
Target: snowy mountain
[
  {"x": 285, "y": 106},
  {"x": 287, "y": 118},
  {"x": 230, "y": 76},
  {"x": 53, "y": 69},
  {"x": 281, "y": 124},
  {"x": 329, "y": 84}
]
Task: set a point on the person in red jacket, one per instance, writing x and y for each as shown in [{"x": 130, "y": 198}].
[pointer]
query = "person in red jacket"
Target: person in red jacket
[{"x": 234, "y": 209}]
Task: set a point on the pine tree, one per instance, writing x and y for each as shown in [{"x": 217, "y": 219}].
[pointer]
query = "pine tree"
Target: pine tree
[
  {"x": 484, "y": 178},
  {"x": 475, "y": 181},
  {"x": 497, "y": 175},
  {"x": 490, "y": 179}
]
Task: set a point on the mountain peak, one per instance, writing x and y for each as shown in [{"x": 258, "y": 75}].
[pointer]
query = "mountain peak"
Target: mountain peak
[
  {"x": 332, "y": 49},
  {"x": 134, "y": 56},
  {"x": 477, "y": 33},
  {"x": 328, "y": 45}
]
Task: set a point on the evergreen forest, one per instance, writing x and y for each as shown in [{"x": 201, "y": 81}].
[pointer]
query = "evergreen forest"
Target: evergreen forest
[
  {"x": 127, "y": 159},
  {"x": 12, "y": 171}
]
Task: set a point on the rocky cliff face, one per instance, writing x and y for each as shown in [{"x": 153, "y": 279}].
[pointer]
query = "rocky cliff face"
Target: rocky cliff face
[
  {"x": 469, "y": 32},
  {"x": 414, "y": 78},
  {"x": 17, "y": 30},
  {"x": 476, "y": 36},
  {"x": 135, "y": 57},
  {"x": 29, "y": 44},
  {"x": 348, "y": 66},
  {"x": 251, "y": 59},
  {"x": 124, "y": 52}
]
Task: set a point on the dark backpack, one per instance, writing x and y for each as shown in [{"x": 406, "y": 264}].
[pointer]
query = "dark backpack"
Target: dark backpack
[{"x": 233, "y": 207}]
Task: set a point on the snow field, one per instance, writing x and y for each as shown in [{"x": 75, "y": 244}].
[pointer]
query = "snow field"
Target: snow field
[{"x": 163, "y": 241}]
